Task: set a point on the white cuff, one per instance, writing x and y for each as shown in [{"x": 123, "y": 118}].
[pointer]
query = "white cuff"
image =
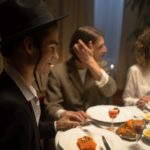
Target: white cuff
[
  {"x": 59, "y": 112},
  {"x": 55, "y": 126},
  {"x": 104, "y": 79}
]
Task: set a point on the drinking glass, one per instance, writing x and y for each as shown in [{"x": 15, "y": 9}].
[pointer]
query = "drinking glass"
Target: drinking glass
[
  {"x": 138, "y": 128},
  {"x": 112, "y": 112}
]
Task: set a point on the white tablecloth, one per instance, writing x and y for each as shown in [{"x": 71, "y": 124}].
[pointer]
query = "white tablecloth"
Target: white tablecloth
[{"x": 124, "y": 144}]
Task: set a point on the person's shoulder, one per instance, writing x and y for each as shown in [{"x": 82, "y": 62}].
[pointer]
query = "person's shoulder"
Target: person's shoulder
[
  {"x": 134, "y": 68},
  {"x": 10, "y": 101}
]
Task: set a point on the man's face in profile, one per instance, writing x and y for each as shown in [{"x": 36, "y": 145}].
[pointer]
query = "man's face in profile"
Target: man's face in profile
[{"x": 99, "y": 49}]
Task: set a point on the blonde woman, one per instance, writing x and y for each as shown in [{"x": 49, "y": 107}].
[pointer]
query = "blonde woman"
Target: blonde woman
[{"x": 137, "y": 90}]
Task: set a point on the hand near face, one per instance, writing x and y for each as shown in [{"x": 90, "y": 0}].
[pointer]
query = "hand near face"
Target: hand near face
[
  {"x": 142, "y": 101},
  {"x": 84, "y": 52},
  {"x": 88, "y": 56}
]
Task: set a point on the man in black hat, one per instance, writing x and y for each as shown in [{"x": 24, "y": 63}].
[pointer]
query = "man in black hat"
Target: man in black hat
[{"x": 28, "y": 34}]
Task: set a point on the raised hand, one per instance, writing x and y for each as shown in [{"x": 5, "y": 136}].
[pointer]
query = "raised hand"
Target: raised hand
[{"x": 84, "y": 52}]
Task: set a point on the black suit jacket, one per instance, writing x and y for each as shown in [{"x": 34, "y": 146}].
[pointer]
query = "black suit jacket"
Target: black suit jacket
[{"x": 18, "y": 127}]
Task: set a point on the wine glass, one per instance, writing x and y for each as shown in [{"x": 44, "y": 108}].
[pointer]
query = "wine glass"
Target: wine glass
[
  {"x": 112, "y": 112},
  {"x": 138, "y": 128}
]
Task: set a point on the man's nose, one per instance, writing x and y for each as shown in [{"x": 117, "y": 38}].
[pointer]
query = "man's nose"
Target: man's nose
[
  {"x": 105, "y": 49},
  {"x": 55, "y": 55}
]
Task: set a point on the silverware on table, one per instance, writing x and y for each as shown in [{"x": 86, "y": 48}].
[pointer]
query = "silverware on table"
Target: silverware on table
[
  {"x": 106, "y": 143},
  {"x": 88, "y": 132},
  {"x": 94, "y": 122}
]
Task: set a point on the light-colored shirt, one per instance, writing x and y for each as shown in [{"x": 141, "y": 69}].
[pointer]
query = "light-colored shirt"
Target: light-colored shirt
[
  {"x": 137, "y": 85},
  {"x": 104, "y": 77},
  {"x": 28, "y": 91},
  {"x": 82, "y": 73}
]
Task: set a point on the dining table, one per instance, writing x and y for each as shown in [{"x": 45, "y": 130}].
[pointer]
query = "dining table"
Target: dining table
[{"x": 67, "y": 140}]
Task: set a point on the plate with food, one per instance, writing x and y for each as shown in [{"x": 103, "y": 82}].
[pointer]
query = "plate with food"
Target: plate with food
[
  {"x": 126, "y": 130},
  {"x": 147, "y": 117},
  {"x": 88, "y": 137},
  {"x": 146, "y": 134}
]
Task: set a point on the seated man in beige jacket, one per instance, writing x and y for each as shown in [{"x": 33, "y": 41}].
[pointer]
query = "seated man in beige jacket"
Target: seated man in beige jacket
[{"x": 82, "y": 81}]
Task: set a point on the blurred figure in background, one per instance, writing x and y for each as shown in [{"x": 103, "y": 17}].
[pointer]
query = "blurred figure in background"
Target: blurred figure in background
[
  {"x": 82, "y": 81},
  {"x": 137, "y": 90}
]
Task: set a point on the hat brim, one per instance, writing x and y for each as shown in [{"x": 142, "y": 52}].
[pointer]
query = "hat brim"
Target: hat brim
[
  {"x": 59, "y": 18},
  {"x": 33, "y": 28}
]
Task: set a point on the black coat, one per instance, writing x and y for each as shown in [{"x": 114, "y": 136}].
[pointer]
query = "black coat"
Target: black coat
[{"x": 18, "y": 127}]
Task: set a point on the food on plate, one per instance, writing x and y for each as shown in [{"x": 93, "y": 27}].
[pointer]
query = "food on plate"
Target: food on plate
[
  {"x": 147, "y": 117},
  {"x": 146, "y": 133},
  {"x": 86, "y": 143},
  {"x": 126, "y": 130}
]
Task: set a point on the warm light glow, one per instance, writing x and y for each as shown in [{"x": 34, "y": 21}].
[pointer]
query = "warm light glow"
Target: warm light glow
[{"x": 112, "y": 66}]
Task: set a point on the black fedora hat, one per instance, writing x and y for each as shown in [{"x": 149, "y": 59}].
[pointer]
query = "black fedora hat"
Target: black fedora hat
[{"x": 18, "y": 17}]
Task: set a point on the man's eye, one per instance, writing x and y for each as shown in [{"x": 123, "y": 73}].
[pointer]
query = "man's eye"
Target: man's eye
[
  {"x": 52, "y": 48},
  {"x": 101, "y": 46}
]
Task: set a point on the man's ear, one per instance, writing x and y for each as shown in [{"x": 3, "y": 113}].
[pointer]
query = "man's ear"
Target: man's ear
[{"x": 29, "y": 45}]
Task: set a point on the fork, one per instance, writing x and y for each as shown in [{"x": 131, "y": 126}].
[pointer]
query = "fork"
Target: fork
[{"x": 85, "y": 130}]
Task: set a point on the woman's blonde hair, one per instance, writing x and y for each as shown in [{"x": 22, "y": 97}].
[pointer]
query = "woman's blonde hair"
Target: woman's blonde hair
[{"x": 142, "y": 48}]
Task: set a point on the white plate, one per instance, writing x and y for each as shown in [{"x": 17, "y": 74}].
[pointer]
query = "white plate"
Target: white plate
[
  {"x": 68, "y": 140},
  {"x": 148, "y": 105},
  {"x": 100, "y": 113}
]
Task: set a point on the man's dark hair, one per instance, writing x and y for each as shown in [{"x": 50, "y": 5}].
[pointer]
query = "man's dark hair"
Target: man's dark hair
[{"x": 86, "y": 34}]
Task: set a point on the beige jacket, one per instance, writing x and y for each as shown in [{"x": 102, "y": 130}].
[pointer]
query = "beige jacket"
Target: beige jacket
[{"x": 66, "y": 91}]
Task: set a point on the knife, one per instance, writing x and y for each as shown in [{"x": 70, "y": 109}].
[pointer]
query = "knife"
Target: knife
[
  {"x": 106, "y": 143},
  {"x": 96, "y": 123}
]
